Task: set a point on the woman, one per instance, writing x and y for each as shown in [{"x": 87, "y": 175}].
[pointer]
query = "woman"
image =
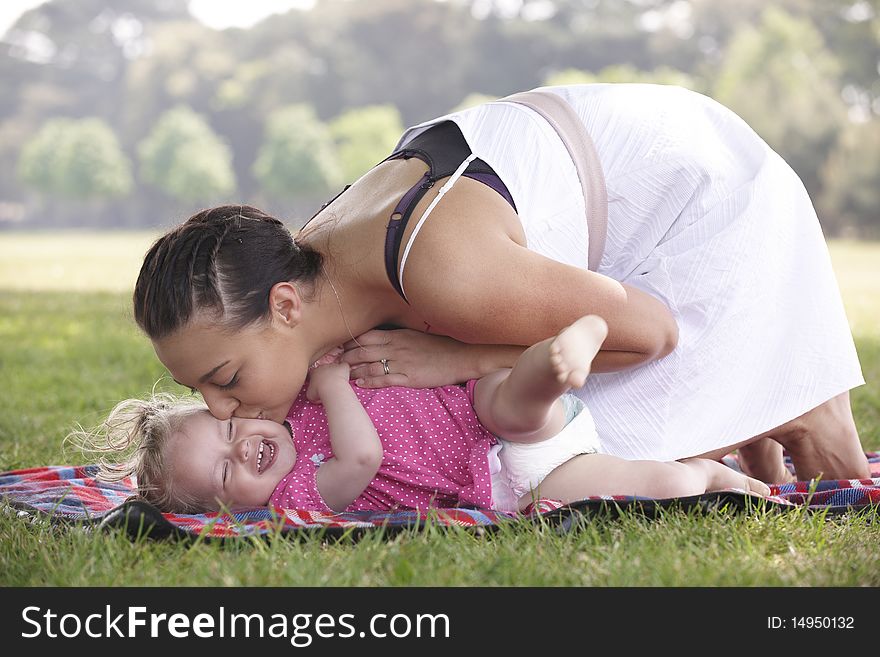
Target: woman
[{"x": 484, "y": 218}]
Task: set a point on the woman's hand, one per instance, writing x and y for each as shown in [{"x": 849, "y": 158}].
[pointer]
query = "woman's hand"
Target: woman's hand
[{"x": 418, "y": 360}]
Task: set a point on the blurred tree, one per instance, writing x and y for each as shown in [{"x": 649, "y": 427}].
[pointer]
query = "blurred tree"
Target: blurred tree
[
  {"x": 130, "y": 61},
  {"x": 184, "y": 158},
  {"x": 365, "y": 136},
  {"x": 850, "y": 201},
  {"x": 298, "y": 157},
  {"x": 782, "y": 80},
  {"x": 76, "y": 159},
  {"x": 68, "y": 58},
  {"x": 472, "y": 100},
  {"x": 186, "y": 64},
  {"x": 626, "y": 73},
  {"x": 851, "y": 28},
  {"x": 383, "y": 51}
]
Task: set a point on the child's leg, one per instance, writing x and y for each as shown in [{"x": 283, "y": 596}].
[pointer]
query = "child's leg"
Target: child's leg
[
  {"x": 601, "y": 474},
  {"x": 522, "y": 404}
]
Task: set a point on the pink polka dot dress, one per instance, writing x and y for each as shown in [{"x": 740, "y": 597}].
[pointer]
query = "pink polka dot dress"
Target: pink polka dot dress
[{"x": 435, "y": 451}]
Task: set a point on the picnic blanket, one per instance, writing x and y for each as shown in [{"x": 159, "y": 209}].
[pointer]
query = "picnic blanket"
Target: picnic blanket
[{"x": 71, "y": 494}]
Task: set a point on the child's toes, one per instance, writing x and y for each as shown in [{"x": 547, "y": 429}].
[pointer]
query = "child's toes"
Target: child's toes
[
  {"x": 577, "y": 378},
  {"x": 757, "y": 486}
]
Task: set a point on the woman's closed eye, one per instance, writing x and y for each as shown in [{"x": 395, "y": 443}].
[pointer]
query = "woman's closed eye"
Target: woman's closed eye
[{"x": 230, "y": 384}]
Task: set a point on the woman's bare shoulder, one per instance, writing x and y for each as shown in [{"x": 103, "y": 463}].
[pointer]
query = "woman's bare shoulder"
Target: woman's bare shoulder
[{"x": 470, "y": 276}]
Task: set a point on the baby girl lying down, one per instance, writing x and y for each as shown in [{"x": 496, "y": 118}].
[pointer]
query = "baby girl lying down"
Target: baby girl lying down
[{"x": 495, "y": 443}]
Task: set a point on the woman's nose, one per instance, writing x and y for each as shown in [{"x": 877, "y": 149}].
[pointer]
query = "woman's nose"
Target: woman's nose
[{"x": 221, "y": 406}]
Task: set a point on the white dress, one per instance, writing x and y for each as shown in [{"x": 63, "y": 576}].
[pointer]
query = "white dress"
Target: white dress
[{"x": 705, "y": 216}]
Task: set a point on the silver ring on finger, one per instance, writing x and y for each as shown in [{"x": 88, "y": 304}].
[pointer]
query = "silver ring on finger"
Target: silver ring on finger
[{"x": 385, "y": 367}]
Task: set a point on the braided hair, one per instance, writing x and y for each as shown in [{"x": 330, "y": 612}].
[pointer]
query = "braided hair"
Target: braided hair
[{"x": 224, "y": 260}]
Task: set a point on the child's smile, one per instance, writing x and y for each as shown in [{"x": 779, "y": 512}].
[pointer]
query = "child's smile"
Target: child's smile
[
  {"x": 235, "y": 463},
  {"x": 266, "y": 455}
]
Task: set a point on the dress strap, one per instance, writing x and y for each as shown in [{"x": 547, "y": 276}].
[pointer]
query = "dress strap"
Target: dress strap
[
  {"x": 568, "y": 125},
  {"x": 446, "y": 187}
]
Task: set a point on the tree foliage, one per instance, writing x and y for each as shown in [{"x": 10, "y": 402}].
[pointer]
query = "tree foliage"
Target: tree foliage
[
  {"x": 298, "y": 155},
  {"x": 850, "y": 200},
  {"x": 799, "y": 71},
  {"x": 783, "y": 81},
  {"x": 364, "y": 137},
  {"x": 185, "y": 159},
  {"x": 76, "y": 159},
  {"x": 625, "y": 73}
]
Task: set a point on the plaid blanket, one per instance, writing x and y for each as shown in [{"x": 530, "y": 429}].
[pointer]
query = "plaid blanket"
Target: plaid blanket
[{"x": 72, "y": 494}]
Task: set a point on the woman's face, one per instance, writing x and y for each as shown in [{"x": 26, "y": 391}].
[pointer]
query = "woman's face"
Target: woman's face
[{"x": 255, "y": 372}]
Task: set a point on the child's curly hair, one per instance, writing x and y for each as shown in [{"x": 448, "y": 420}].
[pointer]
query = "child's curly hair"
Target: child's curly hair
[{"x": 133, "y": 441}]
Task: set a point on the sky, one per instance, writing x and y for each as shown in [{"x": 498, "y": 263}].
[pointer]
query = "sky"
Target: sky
[{"x": 218, "y": 14}]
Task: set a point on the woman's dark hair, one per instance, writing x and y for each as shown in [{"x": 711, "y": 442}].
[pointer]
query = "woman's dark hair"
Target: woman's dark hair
[{"x": 225, "y": 260}]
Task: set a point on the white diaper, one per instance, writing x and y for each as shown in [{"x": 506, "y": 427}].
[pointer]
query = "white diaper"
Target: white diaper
[{"x": 517, "y": 469}]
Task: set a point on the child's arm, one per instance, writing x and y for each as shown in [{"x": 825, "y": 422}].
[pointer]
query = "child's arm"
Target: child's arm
[{"x": 357, "y": 452}]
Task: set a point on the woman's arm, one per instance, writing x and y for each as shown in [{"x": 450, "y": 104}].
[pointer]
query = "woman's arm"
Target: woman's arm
[
  {"x": 357, "y": 451},
  {"x": 419, "y": 360},
  {"x": 522, "y": 303},
  {"x": 482, "y": 287}
]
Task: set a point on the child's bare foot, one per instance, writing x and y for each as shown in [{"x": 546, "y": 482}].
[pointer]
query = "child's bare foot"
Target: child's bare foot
[
  {"x": 719, "y": 477},
  {"x": 753, "y": 485},
  {"x": 573, "y": 350}
]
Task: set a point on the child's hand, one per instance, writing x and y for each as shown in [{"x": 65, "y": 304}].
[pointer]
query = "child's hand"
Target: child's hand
[
  {"x": 325, "y": 379},
  {"x": 332, "y": 356}
]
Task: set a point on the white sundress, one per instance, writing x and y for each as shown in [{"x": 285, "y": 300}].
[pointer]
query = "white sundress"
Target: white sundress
[{"x": 706, "y": 217}]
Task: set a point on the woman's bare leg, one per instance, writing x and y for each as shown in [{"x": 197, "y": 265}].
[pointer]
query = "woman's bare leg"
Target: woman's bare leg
[
  {"x": 763, "y": 459},
  {"x": 602, "y": 474},
  {"x": 823, "y": 442},
  {"x": 522, "y": 404}
]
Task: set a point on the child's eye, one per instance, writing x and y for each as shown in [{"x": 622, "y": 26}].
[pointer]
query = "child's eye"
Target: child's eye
[
  {"x": 232, "y": 382},
  {"x": 225, "y": 470}
]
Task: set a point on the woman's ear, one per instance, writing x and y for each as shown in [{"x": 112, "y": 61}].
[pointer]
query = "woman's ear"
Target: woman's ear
[{"x": 285, "y": 304}]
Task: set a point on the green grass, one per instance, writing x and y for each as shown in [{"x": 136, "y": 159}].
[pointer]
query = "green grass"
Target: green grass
[{"x": 69, "y": 350}]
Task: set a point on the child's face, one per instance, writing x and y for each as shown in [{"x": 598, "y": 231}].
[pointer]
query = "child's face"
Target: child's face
[
  {"x": 236, "y": 462},
  {"x": 255, "y": 372}
]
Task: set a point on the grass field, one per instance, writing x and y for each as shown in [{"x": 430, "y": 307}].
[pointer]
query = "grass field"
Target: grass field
[{"x": 69, "y": 350}]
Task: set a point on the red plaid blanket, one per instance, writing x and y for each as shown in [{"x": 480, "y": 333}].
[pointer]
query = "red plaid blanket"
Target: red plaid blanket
[{"x": 72, "y": 494}]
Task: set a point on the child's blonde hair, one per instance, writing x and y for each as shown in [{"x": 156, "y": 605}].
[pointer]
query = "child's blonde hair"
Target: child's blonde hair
[{"x": 133, "y": 441}]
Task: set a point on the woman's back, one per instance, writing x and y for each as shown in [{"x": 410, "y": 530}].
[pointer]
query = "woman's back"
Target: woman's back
[{"x": 705, "y": 217}]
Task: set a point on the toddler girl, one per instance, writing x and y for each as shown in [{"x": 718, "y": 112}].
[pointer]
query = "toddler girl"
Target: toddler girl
[{"x": 498, "y": 442}]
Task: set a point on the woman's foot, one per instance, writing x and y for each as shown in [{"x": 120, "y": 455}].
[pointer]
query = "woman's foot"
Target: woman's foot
[
  {"x": 763, "y": 459},
  {"x": 573, "y": 350}
]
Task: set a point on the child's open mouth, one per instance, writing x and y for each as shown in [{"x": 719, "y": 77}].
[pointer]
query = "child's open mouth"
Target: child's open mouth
[{"x": 265, "y": 456}]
